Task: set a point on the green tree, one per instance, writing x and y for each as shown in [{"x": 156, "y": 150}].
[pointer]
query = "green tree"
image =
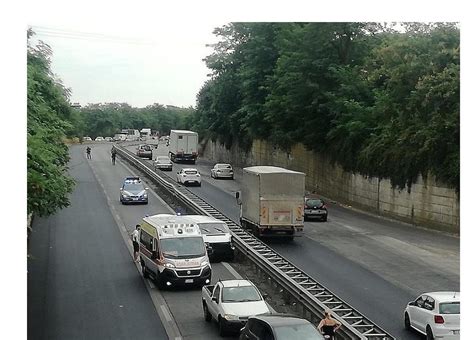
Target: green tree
[{"x": 48, "y": 109}]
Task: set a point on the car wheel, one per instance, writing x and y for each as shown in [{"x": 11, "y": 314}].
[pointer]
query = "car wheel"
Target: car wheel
[
  {"x": 325, "y": 218},
  {"x": 222, "y": 330},
  {"x": 207, "y": 315},
  {"x": 429, "y": 333},
  {"x": 407, "y": 321},
  {"x": 231, "y": 177},
  {"x": 199, "y": 184}
]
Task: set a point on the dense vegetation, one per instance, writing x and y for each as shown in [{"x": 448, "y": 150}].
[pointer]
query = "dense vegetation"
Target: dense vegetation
[
  {"x": 375, "y": 100},
  {"x": 107, "y": 119},
  {"x": 48, "y": 112}
]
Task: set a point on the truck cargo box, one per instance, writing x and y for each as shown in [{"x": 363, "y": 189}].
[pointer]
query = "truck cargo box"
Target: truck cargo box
[{"x": 273, "y": 196}]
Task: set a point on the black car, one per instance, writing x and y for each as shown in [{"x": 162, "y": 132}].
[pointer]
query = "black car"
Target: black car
[
  {"x": 315, "y": 207},
  {"x": 133, "y": 191},
  {"x": 279, "y": 327}
]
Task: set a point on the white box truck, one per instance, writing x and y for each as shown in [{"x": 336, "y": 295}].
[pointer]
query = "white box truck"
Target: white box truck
[
  {"x": 183, "y": 146},
  {"x": 272, "y": 201}
]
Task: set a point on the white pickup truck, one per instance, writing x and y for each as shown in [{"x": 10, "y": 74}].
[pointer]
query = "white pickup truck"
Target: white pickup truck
[{"x": 231, "y": 302}]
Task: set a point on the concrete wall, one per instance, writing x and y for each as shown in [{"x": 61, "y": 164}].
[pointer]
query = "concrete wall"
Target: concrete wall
[{"x": 429, "y": 203}]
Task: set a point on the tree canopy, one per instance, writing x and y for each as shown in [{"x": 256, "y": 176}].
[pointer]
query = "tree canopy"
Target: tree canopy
[
  {"x": 48, "y": 112},
  {"x": 375, "y": 100}
]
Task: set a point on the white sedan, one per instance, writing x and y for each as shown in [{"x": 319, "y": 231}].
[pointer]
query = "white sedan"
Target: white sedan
[
  {"x": 222, "y": 170},
  {"x": 435, "y": 315},
  {"x": 189, "y": 176}
]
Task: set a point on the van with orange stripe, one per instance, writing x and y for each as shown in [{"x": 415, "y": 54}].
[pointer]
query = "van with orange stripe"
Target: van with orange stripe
[{"x": 173, "y": 252}]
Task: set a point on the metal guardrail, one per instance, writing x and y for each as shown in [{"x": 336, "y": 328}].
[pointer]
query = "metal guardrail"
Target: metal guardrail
[{"x": 313, "y": 296}]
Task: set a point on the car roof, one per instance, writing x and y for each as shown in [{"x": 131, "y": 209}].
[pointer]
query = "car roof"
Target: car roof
[
  {"x": 224, "y": 164},
  {"x": 236, "y": 283},
  {"x": 280, "y": 319},
  {"x": 444, "y": 296}
]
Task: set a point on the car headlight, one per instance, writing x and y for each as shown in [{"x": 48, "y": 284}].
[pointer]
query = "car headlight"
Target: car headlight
[
  {"x": 204, "y": 263},
  {"x": 169, "y": 265},
  {"x": 145, "y": 195},
  {"x": 125, "y": 195},
  {"x": 231, "y": 317}
]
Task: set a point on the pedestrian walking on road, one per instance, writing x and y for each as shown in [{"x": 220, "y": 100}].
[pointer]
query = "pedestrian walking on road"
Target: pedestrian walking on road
[
  {"x": 88, "y": 152},
  {"x": 328, "y": 326},
  {"x": 113, "y": 155},
  {"x": 135, "y": 241}
]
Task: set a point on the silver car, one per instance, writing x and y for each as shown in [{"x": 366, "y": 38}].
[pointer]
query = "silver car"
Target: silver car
[
  {"x": 222, "y": 171},
  {"x": 163, "y": 163}
]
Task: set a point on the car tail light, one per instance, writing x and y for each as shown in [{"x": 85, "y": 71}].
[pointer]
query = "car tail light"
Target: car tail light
[{"x": 438, "y": 319}]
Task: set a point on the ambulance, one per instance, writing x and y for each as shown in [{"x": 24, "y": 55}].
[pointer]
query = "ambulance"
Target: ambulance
[{"x": 173, "y": 252}]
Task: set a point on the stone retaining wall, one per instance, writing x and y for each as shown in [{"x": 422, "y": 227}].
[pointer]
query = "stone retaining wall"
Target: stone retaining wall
[{"x": 428, "y": 203}]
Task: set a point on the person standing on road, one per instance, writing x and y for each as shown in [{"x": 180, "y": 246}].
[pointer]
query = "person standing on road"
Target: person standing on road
[
  {"x": 113, "y": 154},
  {"x": 135, "y": 241},
  {"x": 88, "y": 152},
  {"x": 328, "y": 326}
]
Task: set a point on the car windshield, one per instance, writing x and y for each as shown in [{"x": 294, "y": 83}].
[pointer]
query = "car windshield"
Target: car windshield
[
  {"x": 213, "y": 228},
  {"x": 146, "y": 148},
  {"x": 304, "y": 331},
  {"x": 184, "y": 247},
  {"x": 190, "y": 172},
  {"x": 314, "y": 203},
  {"x": 449, "y": 308},
  {"x": 224, "y": 166},
  {"x": 133, "y": 186},
  {"x": 240, "y": 294}
]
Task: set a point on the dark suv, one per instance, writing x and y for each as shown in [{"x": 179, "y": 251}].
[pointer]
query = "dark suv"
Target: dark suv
[{"x": 315, "y": 207}]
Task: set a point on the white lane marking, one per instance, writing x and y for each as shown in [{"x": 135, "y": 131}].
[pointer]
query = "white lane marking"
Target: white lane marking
[
  {"x": 165, "y": 313},
  {"x": 171, "y": 326},
  {"x": 232, "y": 271}
]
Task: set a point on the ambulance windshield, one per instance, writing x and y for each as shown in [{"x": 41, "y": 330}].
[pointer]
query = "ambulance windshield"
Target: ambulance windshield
[{"x": 184, "y": 247}]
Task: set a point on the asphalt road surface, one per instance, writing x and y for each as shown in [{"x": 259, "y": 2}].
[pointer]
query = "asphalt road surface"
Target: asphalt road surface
[
  {"x": 375, "y": 264},
  {"x": 82, "y": 282}
]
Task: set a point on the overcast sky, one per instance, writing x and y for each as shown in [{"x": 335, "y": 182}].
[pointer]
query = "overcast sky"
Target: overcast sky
[
  {"x": 151, "y": 52},
  {"x": 138, "y": 66}
]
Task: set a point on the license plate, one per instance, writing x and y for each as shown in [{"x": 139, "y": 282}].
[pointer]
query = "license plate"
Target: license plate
[
  {"x": 456, "y": 332},
  {"x": 189, "y": 281}
]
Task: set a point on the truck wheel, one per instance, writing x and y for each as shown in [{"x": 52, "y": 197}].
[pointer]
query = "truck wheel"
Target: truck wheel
[
  {"x": 222, "y": 330},
  {"x": 207, "y": 315}
]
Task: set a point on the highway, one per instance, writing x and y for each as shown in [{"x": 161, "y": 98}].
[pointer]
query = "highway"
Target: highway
[
  {"x": 82, "y": 282},
  {"x": 375, "y": 264}
]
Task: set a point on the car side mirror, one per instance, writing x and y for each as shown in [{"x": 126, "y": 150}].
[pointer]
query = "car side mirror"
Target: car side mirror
[
  {"x": 412, "y": 303},
  {"x": 265, "y": 296},
  {"x": 237, "y": 195},
  {"x": 214, "y": 298}
]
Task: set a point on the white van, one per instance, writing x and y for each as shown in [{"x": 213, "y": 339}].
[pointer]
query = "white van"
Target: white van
[
  {"x": 173, "y": 252},
  {"x": 217, "y": 237}
]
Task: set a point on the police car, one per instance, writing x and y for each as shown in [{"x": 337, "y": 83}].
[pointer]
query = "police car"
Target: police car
[{"x": 133, "y": 191}]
